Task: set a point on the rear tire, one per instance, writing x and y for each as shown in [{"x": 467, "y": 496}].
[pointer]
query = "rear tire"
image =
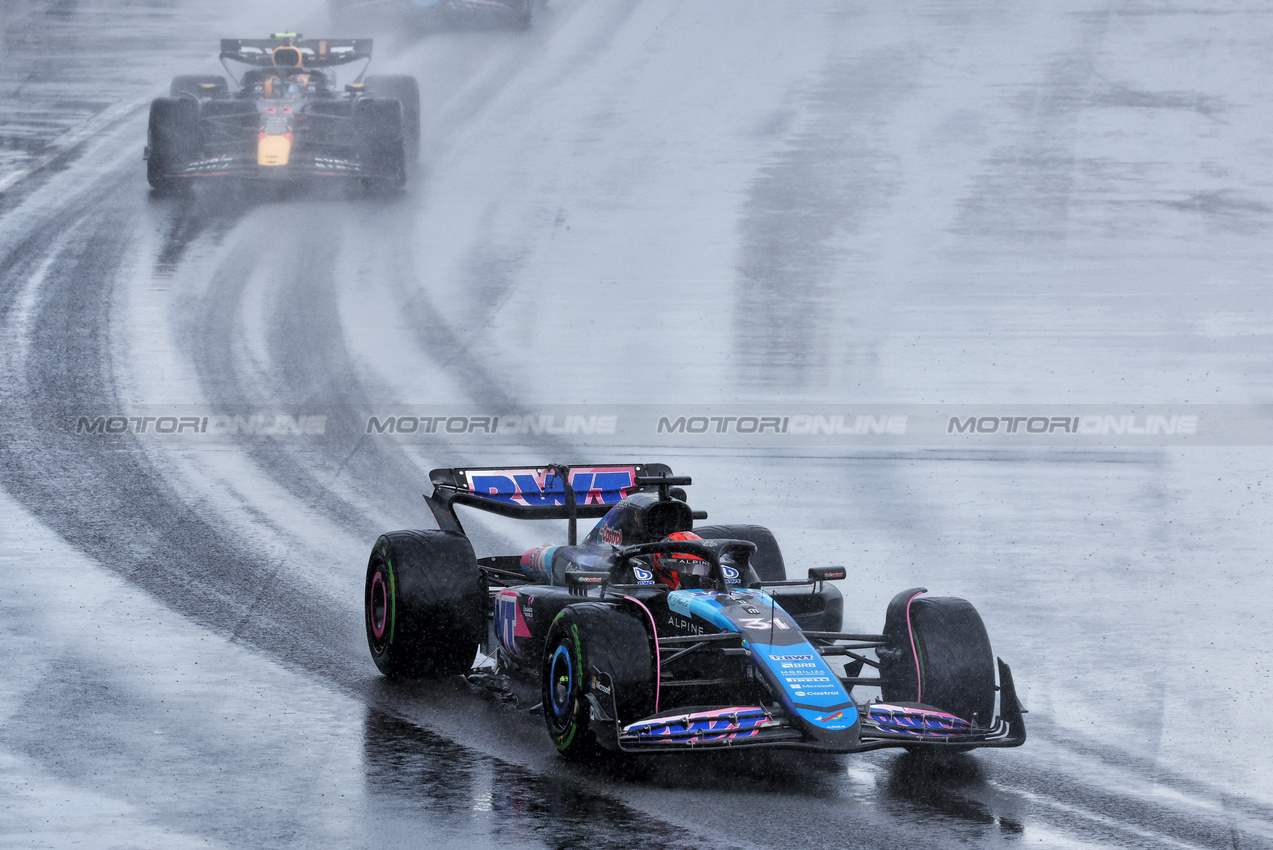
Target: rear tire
[
  {"x": 956, "y": 667},
  {"x": 425, "y": 604},
  {"x": 585, "y": 640},
  {"x": 172, "y": 140},
  {"x": 767, "y": 559},
  {"x": 406, "y": 91},
  {"x": 199, "y": 85}
]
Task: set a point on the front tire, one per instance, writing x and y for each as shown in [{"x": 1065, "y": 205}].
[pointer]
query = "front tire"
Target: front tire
[
  {"x": 590, "y": 647},
  {"x": 951, "y": 666},
  {"x": 172, "y": 140},
  {"x": 425, "y": 604},
  {"x": 381, "y": 143},
  {"x": 406, "y": 91}
]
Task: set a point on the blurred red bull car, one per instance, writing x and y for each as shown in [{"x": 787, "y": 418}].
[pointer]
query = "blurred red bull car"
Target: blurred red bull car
[{"x": 289, "y": 117}]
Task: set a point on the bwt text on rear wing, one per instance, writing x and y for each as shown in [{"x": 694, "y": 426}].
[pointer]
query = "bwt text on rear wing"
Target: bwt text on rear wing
[{"x": 552, "y": 491}]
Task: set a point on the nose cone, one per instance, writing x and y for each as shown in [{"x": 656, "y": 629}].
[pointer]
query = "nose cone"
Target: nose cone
[{"x": 274, "y": 150}]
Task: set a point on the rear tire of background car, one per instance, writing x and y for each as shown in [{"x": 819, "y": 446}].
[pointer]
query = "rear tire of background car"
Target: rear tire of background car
[
  {"x": 955, "y": 671},
  {"x": 583, "y": 640},
  {"x": 406, "y": 91},
  {"x": 172, "y": 140},
  {"x": 767, "y": 560},
  {"x": 199, "y": 85},
  {"x": 425, "y": 604},
  {"x": 381, "y": 143}
]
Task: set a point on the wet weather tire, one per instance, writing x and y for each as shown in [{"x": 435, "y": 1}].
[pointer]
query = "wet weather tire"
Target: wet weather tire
[
  {"x": 425, "y": 604},
  {"x": 172, "y": 140},
  {"x": 766, "y": 562},
  {"x": 588, "y": 645},
  {"x": 381, "y": 143},
  {"x": 951, "y": 667},
  {"x": 406, "y": 91},
  {"x": 199, "y": 85}
]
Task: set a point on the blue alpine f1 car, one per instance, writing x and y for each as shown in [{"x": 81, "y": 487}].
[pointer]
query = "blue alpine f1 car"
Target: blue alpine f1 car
[{"x": 655, "y": 635}]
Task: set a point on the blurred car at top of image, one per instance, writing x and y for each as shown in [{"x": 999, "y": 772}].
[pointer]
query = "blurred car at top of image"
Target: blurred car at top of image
[
  {"x": 288, "y": 119},
  {"x": 498, "y": 13}
]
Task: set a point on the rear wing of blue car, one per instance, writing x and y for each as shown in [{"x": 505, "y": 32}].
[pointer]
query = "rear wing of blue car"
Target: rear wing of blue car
[{"x": 553, "y": 491}]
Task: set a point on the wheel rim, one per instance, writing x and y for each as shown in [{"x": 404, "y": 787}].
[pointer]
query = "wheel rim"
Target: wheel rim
[
  {"x": 378, "y": 609},
  {"x": 562, "y": 673}
]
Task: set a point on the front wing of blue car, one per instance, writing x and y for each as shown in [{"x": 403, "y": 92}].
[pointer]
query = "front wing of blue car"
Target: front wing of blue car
[{"x": 879, "y": 725}]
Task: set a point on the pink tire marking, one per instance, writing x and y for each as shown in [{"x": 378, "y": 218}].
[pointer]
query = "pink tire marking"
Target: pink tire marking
[
  {"x": 919, "y": 683},
  {"x": 378, "y": 584}
]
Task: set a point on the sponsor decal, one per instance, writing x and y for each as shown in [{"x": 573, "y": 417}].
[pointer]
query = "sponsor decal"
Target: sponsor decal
[
  {"x": 509, "y": 622},
  {"x": 543, "y": 488},
  {"x": 643, "y": 576},
  {"x": 731, "y": 576},
  {"x": 679, "y": 601},
  {"x": 613, "y": 536},
  {"x": 597, "y": 685},
  {"x": 791, "y": 657},
  {"x": 685, "y": 625},
  {"x": 831, "y": 717}
]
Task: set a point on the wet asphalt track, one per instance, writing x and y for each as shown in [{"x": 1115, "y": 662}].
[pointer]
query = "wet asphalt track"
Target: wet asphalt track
[{"x": 646, "y": 202}]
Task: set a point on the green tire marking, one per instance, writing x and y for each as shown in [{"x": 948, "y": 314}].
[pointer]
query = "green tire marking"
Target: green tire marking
[{"x": 564, "y": 742}]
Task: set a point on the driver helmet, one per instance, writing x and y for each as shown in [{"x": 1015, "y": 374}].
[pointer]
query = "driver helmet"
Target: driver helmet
[{"x": 679, "y": 570}]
